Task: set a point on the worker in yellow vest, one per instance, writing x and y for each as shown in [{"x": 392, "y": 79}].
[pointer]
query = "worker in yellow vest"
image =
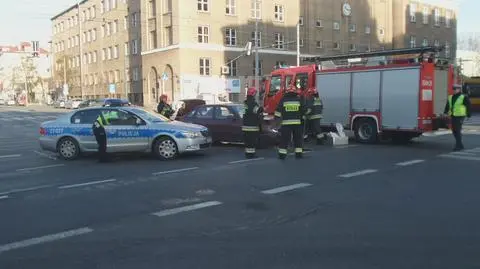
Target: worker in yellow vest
[{"x": 458, "y": 107}]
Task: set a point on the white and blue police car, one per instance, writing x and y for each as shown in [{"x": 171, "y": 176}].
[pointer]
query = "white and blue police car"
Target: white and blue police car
[{"x": 134, "y": 130}]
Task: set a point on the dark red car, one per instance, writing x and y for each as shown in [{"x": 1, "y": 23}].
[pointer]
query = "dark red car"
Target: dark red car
[{"x": 225, "y": 123}]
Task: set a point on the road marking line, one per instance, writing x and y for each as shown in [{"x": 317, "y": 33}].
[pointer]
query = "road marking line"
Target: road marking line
[
  {"x": 247, "y": 160},
  {"x": 472, "y": 150},
  {"x": 45, "y": 155},
  {"x": 44, "y": 239},
  {"x": 27, "y": 189},
  {"x": 407, "y": 163},
  {"x": 39, "y": 167},
  {"x": 174, "y": 171},
  {"x": 359, "y": 173},
  {"x": 286, "y": 188},
  {"x": 86, "y": 184},
  {"x": 177, "y": 210},
  {"x": 462, "y": 153},
  {"x": 469, "y": 158},
  {"x": 10, "y": 156},
  {"x": 3, "y": 197}
]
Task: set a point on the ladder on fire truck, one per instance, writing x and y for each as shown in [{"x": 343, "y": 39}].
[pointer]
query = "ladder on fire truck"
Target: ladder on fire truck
[{"x": 382, "y": 57}]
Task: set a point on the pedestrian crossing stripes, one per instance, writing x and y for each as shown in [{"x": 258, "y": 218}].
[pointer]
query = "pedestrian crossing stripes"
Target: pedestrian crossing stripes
[
  {"x": 464, "y": 155},
  {"x": 474, "y": 120}
]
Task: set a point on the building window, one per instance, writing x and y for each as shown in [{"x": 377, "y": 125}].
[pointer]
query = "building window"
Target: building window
[
  {"x": 127, "y": 74},
  {"x": 103, "y": 30},
  {"x": 102, "y": 6},
  {"x": 136, "y": 74},
  {"x": 94, "y": 56},
  {"x": 257, "y": 39},
  {"x": 279, "y": 13},
  {"x": 93, "y": 12},
  {"x": 89, "y": 36},
  {"x": 336, "y": 25},
  {"x": 168, "y": 36},
  {"x": 134, "y": 19},
  {"x": 203, "y": 33},
  {"x": 232, "y": 66},
  {"x": 109, "y": 53},
  {"x": 230, "y": 37},
  {"x": 152, "y": 7},
  {"x": 301, "y": 43},
  {"x": 125, "y": 22},
  {"x": 425, "y": 42},
  {"x": 230, "y": 7},
  {"x": 204, "y": 65},
  {"x": 108, "y": 29},
  {"x": 319, "y": 44},
  {"x": 84, "y": 37},
  {"x": 167, "y": 6},
  {"x": 300, "y": 20},
  {"x": 368, "y": 29},
  {"x": 319, "y": 23},
  {"x": 255, "y": 9},
  {"x": 279, "y": 41},
  {"x": 436, "y": 43},
  {"x": 115, "y": 26},
  {"x": 115, "y": 52},
  {"x": 426, "y": 14},
  {"x": 436, "y": 14},
  {"x": 153, "y": 40},
  {"x": 352, "y": 47},
  {"x": 202, "y": 5},
  {"x": 126, "y": 48},
  {"x": 352, "y": 27},
  {"x": 104, "y": 54},
  {"x": 448, "y": 18},
  {"x": 260, "y": 68},
  {"x": 413, "y": 41},
  {"x": 413, "y": 12},
  {"x": 336, "y": 45},
  {"x": 94, "y": 34},
  {"x": 135, "y": 46},
  {"x": 447, "y": 49}
]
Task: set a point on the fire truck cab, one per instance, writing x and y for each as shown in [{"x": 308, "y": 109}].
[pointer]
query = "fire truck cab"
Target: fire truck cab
[{"x": 394, "y": 94}]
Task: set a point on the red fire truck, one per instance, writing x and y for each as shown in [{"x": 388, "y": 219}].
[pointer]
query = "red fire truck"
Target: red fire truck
[{"x": 394, "y": 94}]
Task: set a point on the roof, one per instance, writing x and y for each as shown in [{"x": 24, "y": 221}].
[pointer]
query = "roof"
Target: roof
[{"x": 68, "y": 10}]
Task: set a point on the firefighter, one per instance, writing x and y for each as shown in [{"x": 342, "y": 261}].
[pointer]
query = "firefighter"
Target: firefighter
[
  {"x": 458, "y": 107},
  {"x": 164, "y": 108},
  {"x": 100, "y": 134},
  {"x": 251, "y": 123},
  {"x": 314, "y": 115},
  {"x": 291, "y": 112}
]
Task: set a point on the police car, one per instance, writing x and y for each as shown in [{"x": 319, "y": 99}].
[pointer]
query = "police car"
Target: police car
[{"x": 135, "y": 130}]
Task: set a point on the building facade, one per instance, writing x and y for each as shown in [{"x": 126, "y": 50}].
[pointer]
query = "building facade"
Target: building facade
[
  {"x": 97, "y": 50},
  {"x": 192, "y": 48}
]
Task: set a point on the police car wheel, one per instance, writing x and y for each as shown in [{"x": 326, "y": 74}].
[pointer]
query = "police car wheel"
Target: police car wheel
[
  {"x": 68, "y": 148},
  {"x": 165, "y": 148}
]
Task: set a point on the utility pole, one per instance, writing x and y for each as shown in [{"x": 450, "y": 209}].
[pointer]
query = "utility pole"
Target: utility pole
[
  {"x": 257, "y": 60},
  {"x": 298, "y": 43},
  {"x": 80, "y": 47}
]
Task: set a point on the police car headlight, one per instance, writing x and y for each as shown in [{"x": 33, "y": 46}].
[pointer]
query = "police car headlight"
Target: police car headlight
[{"x": 192, "y": 134}]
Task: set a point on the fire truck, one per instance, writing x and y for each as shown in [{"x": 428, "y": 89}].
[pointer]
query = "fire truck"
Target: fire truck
[{"x": 391, "y": 94}]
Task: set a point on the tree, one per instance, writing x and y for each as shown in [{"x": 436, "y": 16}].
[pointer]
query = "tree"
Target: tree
[
  {"x": 28, "y": 74},
  {"x": 63, "y": 72}
]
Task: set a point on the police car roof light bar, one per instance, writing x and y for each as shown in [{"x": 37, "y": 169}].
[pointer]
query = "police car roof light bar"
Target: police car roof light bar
[{"x": 393, "y": 52}]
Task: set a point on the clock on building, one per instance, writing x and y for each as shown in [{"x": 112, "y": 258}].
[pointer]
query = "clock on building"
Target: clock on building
[{"x": 346, "y": 9}]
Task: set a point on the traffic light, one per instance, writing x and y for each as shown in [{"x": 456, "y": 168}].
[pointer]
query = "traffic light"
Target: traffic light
[{"x": 35, "y": 48}]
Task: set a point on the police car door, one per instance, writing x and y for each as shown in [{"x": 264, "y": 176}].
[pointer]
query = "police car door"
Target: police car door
[{"x": 125, "y": 133}]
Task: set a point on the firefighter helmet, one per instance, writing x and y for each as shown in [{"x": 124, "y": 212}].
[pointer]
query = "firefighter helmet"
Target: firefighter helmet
[
  {"x": 291, "y": 89},
  {"x": 251, "y": 91},
  {"x": 163, "y": 97}
]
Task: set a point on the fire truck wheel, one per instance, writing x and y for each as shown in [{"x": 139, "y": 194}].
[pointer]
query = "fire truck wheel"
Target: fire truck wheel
[{"x": 366, "y": 131}]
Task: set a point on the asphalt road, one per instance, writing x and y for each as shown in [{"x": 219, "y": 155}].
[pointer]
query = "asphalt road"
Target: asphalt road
[{"x": 383, "y": 206}]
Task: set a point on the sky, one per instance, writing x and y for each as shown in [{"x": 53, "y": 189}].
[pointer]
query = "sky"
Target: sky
[{"x": 27, "y": 20}]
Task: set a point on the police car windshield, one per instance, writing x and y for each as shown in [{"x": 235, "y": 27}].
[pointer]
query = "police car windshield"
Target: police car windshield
[{"x": 150, "y": 116}]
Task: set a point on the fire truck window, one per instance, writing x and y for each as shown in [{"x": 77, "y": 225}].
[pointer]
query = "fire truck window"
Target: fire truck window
[
  {"x": 288, "y": 79},
  {"x": 301, "y": 81},
  {"x": 275, "y": 84}
]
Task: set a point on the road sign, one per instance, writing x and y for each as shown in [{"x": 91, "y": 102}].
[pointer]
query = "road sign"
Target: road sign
[
  {"x": 111, "y": 88},
  {"x": 164, "y": 76}
]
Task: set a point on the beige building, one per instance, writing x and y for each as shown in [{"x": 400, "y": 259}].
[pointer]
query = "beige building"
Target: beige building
[
  {"x": 195, "y": 48},
  {"x": 97, "y": 50}
]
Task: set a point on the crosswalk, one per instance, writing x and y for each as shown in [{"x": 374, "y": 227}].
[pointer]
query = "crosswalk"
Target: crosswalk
[
  {"x": 464, "y": 155},
  {"x": 474, "y": 120}
]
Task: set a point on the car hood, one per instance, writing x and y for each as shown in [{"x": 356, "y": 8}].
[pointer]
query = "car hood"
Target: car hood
[{"x": 181, "y": 126}]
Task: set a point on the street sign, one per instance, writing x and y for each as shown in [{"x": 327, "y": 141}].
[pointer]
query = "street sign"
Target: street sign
[
  {"x": 164, "y": 76},
  {"x": 111, "y": 88},
  {"x": 65, "y": 89}
]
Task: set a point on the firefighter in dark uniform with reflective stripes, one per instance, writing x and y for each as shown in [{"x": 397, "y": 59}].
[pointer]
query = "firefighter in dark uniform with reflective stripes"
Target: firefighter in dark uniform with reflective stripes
[
  {"x": 251, "y": 123},
  {"x": 314, "y": 115},
  {"x": 98, "y": 128},
  {"x": 291, "y": 111}
]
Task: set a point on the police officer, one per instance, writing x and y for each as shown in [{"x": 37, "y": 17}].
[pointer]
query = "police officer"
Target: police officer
[
  {"x": 314, "y": 115},
  {"x": 291, "y": 112},
  {"x": 164, "y": 108},
  {"x": 458, "y": 107},
  {"x": 251, "y": 123},
  {"x": 98, "y": 128}
]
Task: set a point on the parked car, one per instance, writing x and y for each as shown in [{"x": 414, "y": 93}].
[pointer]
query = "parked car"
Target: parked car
[
  {"x": 186, "y": 106},
  {"x": 11, "y": 103},
  {"x": 135, "y": 130},
  {"x": 225, "y": 123},
  {"x": 59, "y": 103},
  {"x": 72, "y": 103},
  {"x": 87, "y": 103}
]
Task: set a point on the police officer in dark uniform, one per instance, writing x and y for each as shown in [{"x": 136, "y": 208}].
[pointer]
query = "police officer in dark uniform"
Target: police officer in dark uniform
[
  {"x": 164, "y": 108},
  {"x": 458, "y": 107},
  {"x": 291, "y": 111},
  {"x": 314, "y": 115},
  {"x": 103, "y": 119},
  {"x": 251, "y": 123}
]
